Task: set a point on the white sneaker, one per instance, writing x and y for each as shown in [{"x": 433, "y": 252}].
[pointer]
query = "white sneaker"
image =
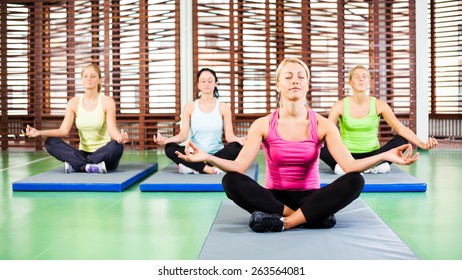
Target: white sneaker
[
  {"x": 338, "y": 170},
  {"x": 217, "y": 170},
  {"x": 382, "y": 168},
  {"x": 96, "y": 168},
  {"x": 68, "y": 168},
  {"x": 186, "y": 170}
]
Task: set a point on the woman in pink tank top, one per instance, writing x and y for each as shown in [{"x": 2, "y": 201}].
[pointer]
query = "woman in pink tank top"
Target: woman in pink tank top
[{"x": 292, "y": 137}]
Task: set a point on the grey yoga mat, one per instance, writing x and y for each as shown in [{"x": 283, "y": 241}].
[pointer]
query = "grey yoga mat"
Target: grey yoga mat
[
  {"x": 358, "y": 235},
  {"x": 395, "y": 181},
  {"x": 169, "y": 180},
  {"x": 113, "y": 181}
]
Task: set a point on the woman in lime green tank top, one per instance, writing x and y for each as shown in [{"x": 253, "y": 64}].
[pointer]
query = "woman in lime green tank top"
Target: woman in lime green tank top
[
  {"x": 359, "y": 116},
  {"x": 101, "y": 142}
]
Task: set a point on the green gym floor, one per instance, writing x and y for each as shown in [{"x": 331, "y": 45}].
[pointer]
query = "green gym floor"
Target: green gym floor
[{"x": 173, "y": 226}]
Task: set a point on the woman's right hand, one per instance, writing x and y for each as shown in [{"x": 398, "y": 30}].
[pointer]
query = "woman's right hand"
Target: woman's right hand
[
  {"x": 431, "y": 143},
  {"x": 402, "y": 155},
  {"x": 123, "y": 137},
  {"x": 197, "y": 155},
  {"x": 160, "y": 140},
  {"x": 32, "y": 132}
]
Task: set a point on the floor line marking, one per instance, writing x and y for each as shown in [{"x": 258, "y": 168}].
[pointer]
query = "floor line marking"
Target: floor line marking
[{"x": 24, "y": 164}]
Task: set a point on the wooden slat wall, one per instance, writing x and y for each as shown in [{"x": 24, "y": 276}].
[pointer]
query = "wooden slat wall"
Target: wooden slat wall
[
  {"x": 46, "y": 44},
  {"x": 245, "y": 40},
  {"x": 445, "y": 58},
  {"x": 3, "y": 77}
]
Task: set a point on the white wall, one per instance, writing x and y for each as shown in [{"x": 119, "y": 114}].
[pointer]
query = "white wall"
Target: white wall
[
  {"x": 422, "y": 83},
  {"x": 186, "y": 53}
]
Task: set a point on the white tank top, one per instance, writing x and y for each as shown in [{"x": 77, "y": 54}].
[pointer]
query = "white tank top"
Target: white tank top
[{"x": 207, "y": 128}]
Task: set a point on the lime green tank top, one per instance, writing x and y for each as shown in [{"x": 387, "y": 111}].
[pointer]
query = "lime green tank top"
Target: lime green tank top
[
  {"x": 360, "y": 135},
  {"x": 91, "y": 126}
]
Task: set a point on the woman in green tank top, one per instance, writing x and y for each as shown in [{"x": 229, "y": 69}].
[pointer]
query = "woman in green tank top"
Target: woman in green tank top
[{"x": 359, "y": 117}]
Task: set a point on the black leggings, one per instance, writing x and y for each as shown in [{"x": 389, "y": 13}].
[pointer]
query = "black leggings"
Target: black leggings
[
  {"x": 393, "y": 143},
  {"x": 315, "y": 204},
  {"x": 230, "y": 151},
  {"x": 109, "y": 153}
]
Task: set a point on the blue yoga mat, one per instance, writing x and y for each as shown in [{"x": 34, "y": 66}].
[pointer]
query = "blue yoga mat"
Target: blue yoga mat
[
  {"x": 113, "y": 181},
  {"x": 358, "y": 235},
  {"x": 395, "y": 181},
  {"x": 169, "y": 180}
]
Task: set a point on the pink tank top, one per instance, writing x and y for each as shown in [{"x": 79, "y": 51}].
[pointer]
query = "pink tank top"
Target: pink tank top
[{"x": 292, "y": 165}]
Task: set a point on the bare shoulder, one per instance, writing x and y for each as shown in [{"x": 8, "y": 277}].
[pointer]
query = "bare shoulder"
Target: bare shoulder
[
  {"x": 107, "y": 98},
  {"x": 338, "y": 105},
  {"x": 324, "y": 126},
  {"x": 108, "y": 102},
  {"x": 264, "y": 119},
  {"x": 74, "y": 100},
  {"x": 73, "y": 103},
  {"x": 321, "y": 120},
  {"x": 224, "y": 107},
  {"x": 188, "y": 109},
  {"x": 381, "y": 106},
  {"x": 223, "y": 104},
  {"x": 339, "y": 102},
  {"x": 261, "y": 124}
]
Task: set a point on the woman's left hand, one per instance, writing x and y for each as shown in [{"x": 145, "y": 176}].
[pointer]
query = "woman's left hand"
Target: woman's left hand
[
  {"x": 31, "y": 132},
  {"x": 123, "y": 137},
  {"x": 192, "y": 153},
  {"x": 402, "y": 155}
]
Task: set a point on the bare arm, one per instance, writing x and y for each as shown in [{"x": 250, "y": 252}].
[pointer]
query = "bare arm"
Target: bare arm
[
  {"x": 66, "y": 124},
  {"x": 336, "y": 111},
  {"x": 184, "y": 132},
  {"x": 257, "y": 132},
  {"x": 228, "y": 125},
  {"x": 391, "y": 119},
  {"x": 340, "y": 153},
  {"x": 110, "y": 110}
]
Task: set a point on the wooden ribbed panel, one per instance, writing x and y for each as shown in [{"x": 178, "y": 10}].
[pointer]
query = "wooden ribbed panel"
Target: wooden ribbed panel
[
  {"x": 245, "y": 40},
  {"x": 46, "y": 44},
  {"x": 445, "y": 58}
]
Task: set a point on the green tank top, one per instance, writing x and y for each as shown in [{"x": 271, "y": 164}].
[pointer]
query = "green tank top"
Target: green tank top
[
  {"x": 91, "y": 126},
  {"x": 360, "y": 135}
]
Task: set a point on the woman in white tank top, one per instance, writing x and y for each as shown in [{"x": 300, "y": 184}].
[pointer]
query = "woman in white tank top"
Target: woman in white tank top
[{"x": 206, "y": 118}]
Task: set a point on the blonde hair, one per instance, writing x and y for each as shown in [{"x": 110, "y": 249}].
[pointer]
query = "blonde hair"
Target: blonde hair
[
  {"x": 291, "y": 60},
  {"x": 278, "y": 73},
  {"x": 97, "y": 70},
  {"x": 350, "y": 74}
]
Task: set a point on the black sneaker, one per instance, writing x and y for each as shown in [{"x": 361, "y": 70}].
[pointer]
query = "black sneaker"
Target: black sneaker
[
  {"x": 264, "y": 222},
  {"x": 328, "y": 222}
]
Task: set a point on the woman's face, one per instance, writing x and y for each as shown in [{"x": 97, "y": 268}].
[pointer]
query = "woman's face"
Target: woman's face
[
  {"x": 293, "y": 82},
  {"x": 206, "y": 82},
  {"x": 359, "y": 80},
  {"x": 90, "y": 78}
]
